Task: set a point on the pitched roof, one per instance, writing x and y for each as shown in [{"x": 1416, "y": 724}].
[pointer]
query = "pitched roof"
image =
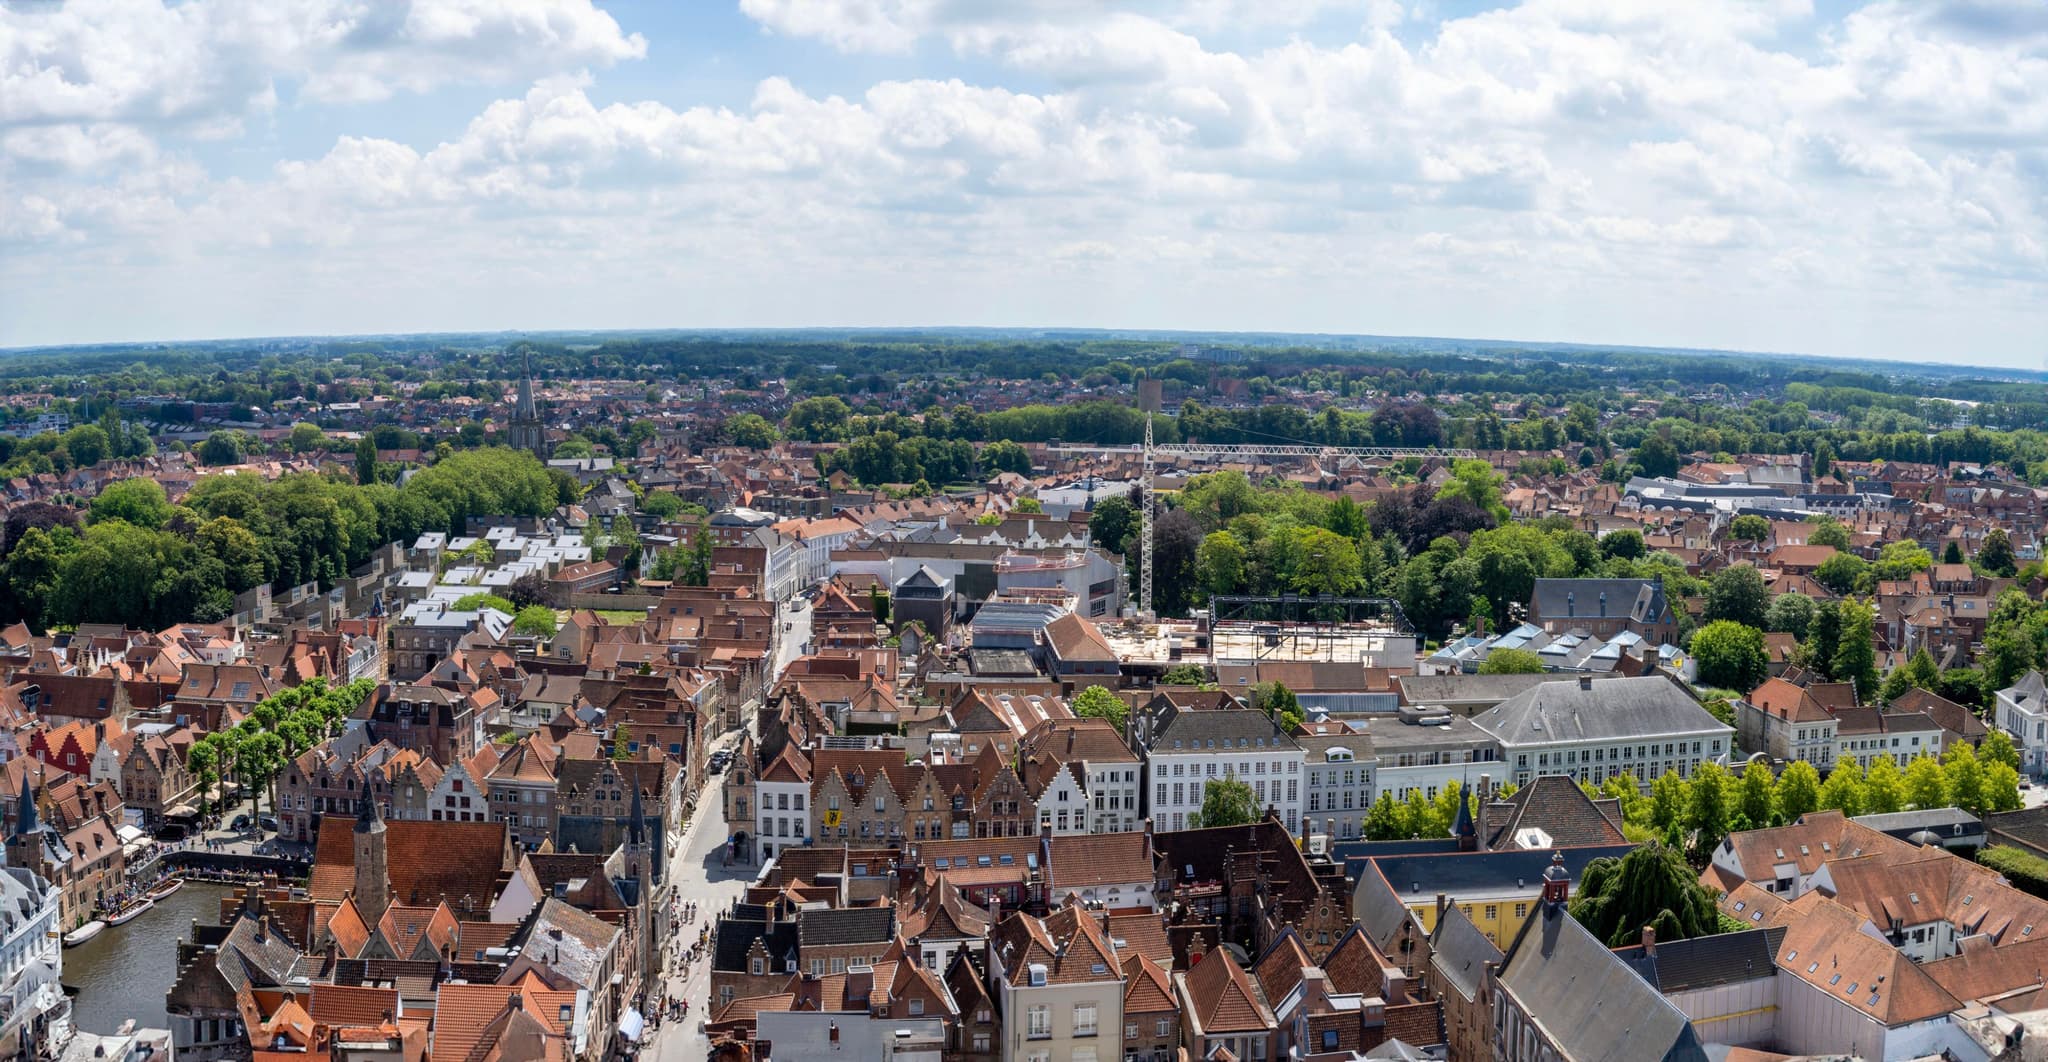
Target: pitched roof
[
  {"x": 1585, "y": 999},
  {"x": 1554, "y": 804},
  {"x": 1459, "y": 952},
  {"x": 1217, "y": 997},
  {"x": 1613, "y": 709},
  {"x": 457, "y": 862}
]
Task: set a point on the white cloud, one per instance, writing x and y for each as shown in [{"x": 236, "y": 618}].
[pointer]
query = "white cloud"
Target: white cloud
[
  {"x": 1659, "y": 172},
  {"x": 151, "y": 61}
]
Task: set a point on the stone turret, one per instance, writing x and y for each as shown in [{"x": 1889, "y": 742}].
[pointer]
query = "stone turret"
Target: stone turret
[{"x": 373, "y": 867}]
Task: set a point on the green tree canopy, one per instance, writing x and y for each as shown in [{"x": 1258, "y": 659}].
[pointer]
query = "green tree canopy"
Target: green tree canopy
[
  {"x": 1097, "y": 702},
  {"x": 1730, "y": 655},
  {"x": 1650, "y": 887},
  {"x": 1226, "y": 802},
  {"x": 1511, "y": 662}
]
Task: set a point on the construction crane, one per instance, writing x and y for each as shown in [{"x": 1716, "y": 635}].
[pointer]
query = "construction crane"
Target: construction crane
[{"x": 1215, "y": 451}]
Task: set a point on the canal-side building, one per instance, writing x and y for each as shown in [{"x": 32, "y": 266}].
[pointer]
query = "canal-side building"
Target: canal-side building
[{"x": 31, "y": 960}]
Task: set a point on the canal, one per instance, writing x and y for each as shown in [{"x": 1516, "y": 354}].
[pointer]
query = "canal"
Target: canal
[{"x": 124, "y": 972}]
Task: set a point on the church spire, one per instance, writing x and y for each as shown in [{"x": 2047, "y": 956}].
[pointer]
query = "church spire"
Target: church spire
[{"x": 25, "y": 812}]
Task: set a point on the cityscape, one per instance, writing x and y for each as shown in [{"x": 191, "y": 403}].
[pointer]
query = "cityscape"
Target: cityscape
[{"x": 770, "y": 531}]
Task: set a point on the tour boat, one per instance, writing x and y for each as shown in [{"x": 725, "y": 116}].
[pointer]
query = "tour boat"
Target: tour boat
[
  {"x": 83, "y": 933},
  {"x": 165, "y": 888},
  {"x": 128, "y": 913}
]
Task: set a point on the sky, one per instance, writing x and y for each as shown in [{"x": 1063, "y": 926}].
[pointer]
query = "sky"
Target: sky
[{"x": 1775, "y": 175}]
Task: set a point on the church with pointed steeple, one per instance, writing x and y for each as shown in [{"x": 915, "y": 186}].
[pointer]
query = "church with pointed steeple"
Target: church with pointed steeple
[{"x": 525, "y": 432}]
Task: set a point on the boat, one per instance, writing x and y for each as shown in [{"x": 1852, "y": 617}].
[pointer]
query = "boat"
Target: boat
[
  {"x": 165, "y": 888},
  {"x": 127, "y": 914},
  {"x": 83, "y": 933}
]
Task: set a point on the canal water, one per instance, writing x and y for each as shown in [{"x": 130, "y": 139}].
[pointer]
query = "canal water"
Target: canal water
[{"x": 124, "y": 972}]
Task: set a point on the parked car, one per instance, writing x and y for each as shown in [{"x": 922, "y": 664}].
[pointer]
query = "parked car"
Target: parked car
[
  {"x": 240, "y": 822},
  {"x": 268, "y": 822}
]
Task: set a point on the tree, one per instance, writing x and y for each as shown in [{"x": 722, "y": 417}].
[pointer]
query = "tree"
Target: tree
[
  {"x": 622, "y": 742},
  {"x": 662, "y": 504},
  {"x": 1279, "y": 703},
  {"x": 1707, "y": 806},
  {"x": 1656, "y": 457},
  {"x": 139, "y": 501},
  {"x": 306, "y": 438},
  {"x": 366, "y": 461},
  {"x": 1823, "y": 459},
  {"x": 1730, "y": 655},
  {"x": 1964, "y": 774},
  {"x": 751, "y": 430},
  {"x": 483, "y": 600},
  {"x": 1626, "y": 544},
  {"x": 1749, "y": 527},
  {"x": 535, "y": 620},
  {"x": 1511, "y": 662},
  {"x": 1185, "y": 675},
  {"x": 1828, "y": 531},
  {"x": 1823, "y": 638},
  {"x": 1998, "y": 748},
  {"x": 1475, "y": 481},
  {"x": 1097, "y": 702},
  {"x": 1856, "y": 656},
  {"x": 1843, "y": 791},
  {"x": 2001, "y": 790},
  {"x": 1028, "y": 506},
  {"x": 1226, "y": 802},
  {"x": 1842, "y": 573},
  {"x": 821, "y": 419},
  {"x": 1918, "y": 672},
  {"x": 1798, "y": 790},
  {"x": 1220, "y": 563},
  {"x": 1383, "y": 819},
  {"x": 1789, "y": 614},
  {"x": 1995, "y": 556},
  {"x": 1112, "y": 523},
  {"x": 221, "y": 448},
  {"x": 1926, "y": 784},
  {"x": 1952, "y": 553},
  {"x": 2008, "y": 654},
  {"x": 1737, "y": 593},
  {"x": 698, "y": 571},
  {"x": 1667, "y": 800},
  {"x": 1884, "y": 789},
  {"x": 258, "y": 756},
  {"x": 1005, "y": 456},
  {"x": 1651, "y": 887},
  {"x": 1753, "y": 796}
]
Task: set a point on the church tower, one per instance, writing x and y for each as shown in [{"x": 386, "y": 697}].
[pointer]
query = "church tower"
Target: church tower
[
  {"x": 525, "y": 431},
  {"x": 373, "y": 870},
  {"x": 639, "y": 856}
]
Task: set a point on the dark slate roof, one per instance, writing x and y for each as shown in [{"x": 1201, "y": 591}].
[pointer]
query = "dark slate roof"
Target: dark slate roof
[
  {"x": 846, "y": 925},
  {"x": 1554, "y": 804},
  {"x": 1351, "y": 855},
  {"x": 1613, "y": 710},
  {"x": 735, "y": 937},
  {"x": 1470, "y": 872},
  {"x": 1460, "y": 952},
  {"x": 1199, "y": 729},
  {"x": 1639, "y": 599},
  {"x": 1587, "y": 1000},
  {"x": 1707, "y": 962},
  {"x": 1380, "y": 911}
]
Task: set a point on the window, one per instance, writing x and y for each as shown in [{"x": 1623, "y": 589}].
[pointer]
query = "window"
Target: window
[
  {"x": 916, "y": 1008},
  {"x": 1165, "y": 1026},
  {"x": 1084, "y": 1019},
  {"x": 1038, "y": 1025},
  {"x": 1130, "y": 1032},
  {"x": 1329, "y": 1039}
]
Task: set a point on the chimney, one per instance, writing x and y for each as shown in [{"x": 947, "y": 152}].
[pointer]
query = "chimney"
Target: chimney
[
  {"x": 1443, "y": 904},
  {"x": 1650, "y": 941}
]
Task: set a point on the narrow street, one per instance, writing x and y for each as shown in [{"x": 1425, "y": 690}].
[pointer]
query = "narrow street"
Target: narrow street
[{"x": 700, "y": 876}]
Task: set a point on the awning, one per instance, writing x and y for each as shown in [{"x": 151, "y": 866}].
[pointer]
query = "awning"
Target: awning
[
  {"x": 631, "y": 1025},
  {"x": 182, "y": 811}
]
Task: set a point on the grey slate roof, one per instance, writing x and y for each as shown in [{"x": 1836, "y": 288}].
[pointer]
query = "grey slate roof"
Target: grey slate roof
[
  {"x": 1707, "y": 962},
  {"x": 1616, "y": 709},
  {"x": 846, "y": 925},
  {"x": 1459, "y": 952},
  {"x": 1458, "y": 873},
  {"x": 1203, "y": 730},
  {"x": 1567, "y": 599},
  {"x": 1586, "y": 999}
]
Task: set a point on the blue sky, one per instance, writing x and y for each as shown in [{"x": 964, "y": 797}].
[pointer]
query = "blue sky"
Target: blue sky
[{"x": 1826, "y": 177}]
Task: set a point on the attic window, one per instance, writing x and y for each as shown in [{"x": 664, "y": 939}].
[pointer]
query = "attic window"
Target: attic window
[
  {"x": 1970, "y": 899},
  {"x": 1741, "y": 905},
  {"x": 1851, "y": 990},
  {"x": 1812, "y": 967},
  {"x": 2026, "y": 931},
  {"x": 1837, "y": 979},
  {"x": 1757, "y": 917},
  {"x": 1913, "y": 897},
  {"x": 940, "y": 862},
  {"x": 1872, "y": 1001},
  {"x": 1803, "y": 850},
  {"x": 1781, "y": 853}
]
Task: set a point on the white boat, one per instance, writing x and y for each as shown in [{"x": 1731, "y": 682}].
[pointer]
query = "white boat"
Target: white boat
[
  {"x": 83, "y": 933},
  {"x": 165, "y": 888},
  {"x": 128, "y": 914}
]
